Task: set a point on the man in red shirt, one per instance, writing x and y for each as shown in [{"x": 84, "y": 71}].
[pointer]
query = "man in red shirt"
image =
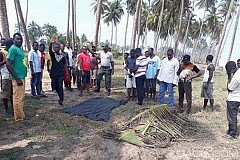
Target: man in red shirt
[{"x": 84, "y": 60}]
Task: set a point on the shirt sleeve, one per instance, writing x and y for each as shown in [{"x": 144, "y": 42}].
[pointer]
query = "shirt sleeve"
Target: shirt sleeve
[
  {"x": 176, "y": 68},
  {"x": 195, "y": 69},
  {"x": 11, "y": 54},
  {"x": 112, "y": 59},
  {"x": 233, "y": 84},
  {"x": 138, "y": 61},
  {"x": 158, "y": 63},
  {"x": 30, "y": 56}
]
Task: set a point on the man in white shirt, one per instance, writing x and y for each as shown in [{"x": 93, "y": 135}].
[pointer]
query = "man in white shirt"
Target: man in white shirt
[
  {"x": 168, "y": 77},
  {"x": 69, "y": 52},
  {"x": 107, "y": 63},
  {"x": 233, "y": 99}
]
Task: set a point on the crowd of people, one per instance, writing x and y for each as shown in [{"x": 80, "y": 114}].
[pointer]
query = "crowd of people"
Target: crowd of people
[{"x": 85, "y": 69}]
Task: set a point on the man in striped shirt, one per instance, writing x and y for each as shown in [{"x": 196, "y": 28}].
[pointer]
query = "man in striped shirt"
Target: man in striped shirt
[{"x": 140, "y": 74}]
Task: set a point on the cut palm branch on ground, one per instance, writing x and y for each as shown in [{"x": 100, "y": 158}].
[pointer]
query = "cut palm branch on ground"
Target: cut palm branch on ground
[{"x": 154, "y": 127}]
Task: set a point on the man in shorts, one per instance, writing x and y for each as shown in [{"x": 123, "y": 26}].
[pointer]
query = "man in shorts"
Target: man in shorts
[
  {"x": 131, "y": 81},
  {"x": 84, "y": 60},
  {"x": 207, "y": 87}
]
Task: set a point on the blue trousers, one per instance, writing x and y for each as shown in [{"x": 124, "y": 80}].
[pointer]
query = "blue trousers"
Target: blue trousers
[
  {"x": 36, "y": 83},
  {"x": 163, "y": 88}
]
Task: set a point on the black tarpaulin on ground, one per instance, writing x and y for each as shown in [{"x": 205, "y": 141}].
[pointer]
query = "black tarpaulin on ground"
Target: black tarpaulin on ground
[{"x": 97, "y": 109}]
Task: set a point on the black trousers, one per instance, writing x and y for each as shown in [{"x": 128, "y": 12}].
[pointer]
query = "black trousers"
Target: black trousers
[
  {"x": 140, "y": 88},
  {"x": 232, "y": 111},
  {"x": 58, "y": 84},
  {"x": 185, "y": 88}
]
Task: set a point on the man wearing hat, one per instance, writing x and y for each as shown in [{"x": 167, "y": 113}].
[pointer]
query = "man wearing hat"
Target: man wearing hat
[
  {"x": 107, "y": 63},
  {"x": 185, "y": 74}
]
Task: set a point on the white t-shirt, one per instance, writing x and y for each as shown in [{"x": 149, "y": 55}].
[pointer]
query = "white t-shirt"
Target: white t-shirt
[
  {"x": 234, "y": 86},
  {"x": 69, "y": 51},
  {"x": 106, "y": 58},
  {"x": 168, "y": 71}
]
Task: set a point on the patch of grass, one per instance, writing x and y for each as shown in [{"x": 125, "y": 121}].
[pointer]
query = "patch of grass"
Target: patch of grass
[
  {"x": 12, "y": 154},
  {"x": 65, "y": 131}
]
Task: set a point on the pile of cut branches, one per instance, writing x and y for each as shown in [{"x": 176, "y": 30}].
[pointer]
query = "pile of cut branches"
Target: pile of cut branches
[{"x": 154, "y": 127}]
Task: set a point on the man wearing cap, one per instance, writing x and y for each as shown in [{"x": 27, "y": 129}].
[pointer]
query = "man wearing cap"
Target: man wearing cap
[
  {"x": 185, "y": 74},
  {"x": 107, "y": 61}
]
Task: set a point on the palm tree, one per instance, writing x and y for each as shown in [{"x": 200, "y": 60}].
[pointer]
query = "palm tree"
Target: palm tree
[
  {"x": 73, "y": 23},
  {"x": 234, "y": 34},
  {"x": 4, "y": 19},
  {"x": 34, "y": 31},
  {"x": 218, "y": 53},
  {"x": 49, "y": 31},
  {"x": 113, "y": 15},
  {"x": 23, "y": 25}
]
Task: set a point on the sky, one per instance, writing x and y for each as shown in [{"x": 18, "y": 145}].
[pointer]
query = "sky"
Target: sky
[{"x": 54, "y": 12}]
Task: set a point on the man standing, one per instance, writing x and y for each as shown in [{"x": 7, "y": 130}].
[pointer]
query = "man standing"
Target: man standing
[
  {"x": 94, "y": 67},
  {"x": 69, "y": 51},
  {"x": 107, "y": 61},
  {"x": 185, "y": 73},
  {"x": 43, "y": 56},
  {"x": 140, "y": 74},
  {"x": 58, "y": 64},
  {"x": 17, "y": 66},
  {"x": 151, "y": 74},
  {"x": 84, "y": 60},
  {"x": 207, "y": 87},
  {"x": 131, "y": 81},
  {"x": 6, "y": 81},
  {"x": 233, "y": 99},
  {"x": 36, "y": 71},
  {"x": 168, "y": 77}
]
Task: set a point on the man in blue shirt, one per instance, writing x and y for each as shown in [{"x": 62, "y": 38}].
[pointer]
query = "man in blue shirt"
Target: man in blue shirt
[{"x": 151, "y": 73}]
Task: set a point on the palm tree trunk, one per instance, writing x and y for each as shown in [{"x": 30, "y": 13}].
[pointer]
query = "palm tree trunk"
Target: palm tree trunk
[
  {"x": 180, "y": 26},
  {"x": 226, "y": 37},
  {"x": 23, "y": 25},
  {"x": 26, "y": 13},
  {"x": 98, "y": 20},
  {"x": 186, "y": 33},
  {"x": 234, "y": 34},
  {"x": 218, "y": 53},
  {"x": 112, "y": 34},
  {"x": 116, "y": 35},
  {"x": 73, "y": 24},
  {"x": 125, "y": 38},
  {"x": 4, "y": 19},
  {"x": 19, "y": 25},
  {"x": 135, "y": 27},
  {"x": 139, "y": 25},
  {"x": 159, "y": 26},
  {"x": 68, "y": 21}
]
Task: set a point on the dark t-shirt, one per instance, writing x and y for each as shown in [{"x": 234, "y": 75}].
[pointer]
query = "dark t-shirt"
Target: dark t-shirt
[
  {"x": 195, "y": 69},
  {"x": 57, "y": 65},
  {"x": 131, "y": 62}
]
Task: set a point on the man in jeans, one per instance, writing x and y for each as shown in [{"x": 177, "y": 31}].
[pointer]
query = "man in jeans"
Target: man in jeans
[
  {"x": 17, "y": 66},
  {"x": 36, "y": 71},
  {"x": 233, "y": 99},
  {"x": 185, "y": 74},
  {"x": 168, "y": 77}
]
